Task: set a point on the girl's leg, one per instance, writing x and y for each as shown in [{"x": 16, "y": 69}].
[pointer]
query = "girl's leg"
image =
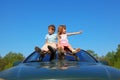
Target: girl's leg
[
  {"x": 61, "y": 52},
  {"x": 61, "y": 49},
  {"x": 70, "y": 47},
  {"x": 73, "y": 50}
]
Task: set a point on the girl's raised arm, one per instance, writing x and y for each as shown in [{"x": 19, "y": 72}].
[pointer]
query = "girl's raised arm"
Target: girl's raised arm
[{"x": 74, "y": 33}]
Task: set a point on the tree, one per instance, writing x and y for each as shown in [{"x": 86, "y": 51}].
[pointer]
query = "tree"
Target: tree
[
  {"x": 117, "y": 64},
  {"x": 113, "y": 58},
  {"x": 1, "y": 63},
  {"x": 117, "y": 58},
  {"x": 110, "y": 57},
  {"x": 10, "y": 58},
  {"x": 117, "y": 55}
]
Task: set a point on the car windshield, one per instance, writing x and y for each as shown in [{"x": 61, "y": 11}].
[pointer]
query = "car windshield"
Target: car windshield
[{"x": 82, "y": 56}]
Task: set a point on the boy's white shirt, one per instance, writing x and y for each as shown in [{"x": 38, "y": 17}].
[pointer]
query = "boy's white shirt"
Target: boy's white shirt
[{"x": 51, "y": 38}]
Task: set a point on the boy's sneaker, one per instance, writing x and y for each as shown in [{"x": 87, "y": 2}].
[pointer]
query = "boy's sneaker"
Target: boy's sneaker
[{"x": 37, "y": 49}]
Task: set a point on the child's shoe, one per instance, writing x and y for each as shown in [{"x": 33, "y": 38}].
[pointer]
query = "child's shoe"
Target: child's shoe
[
  {"x": 75, "y": 51},
  {"x": 37, "y": 49}
]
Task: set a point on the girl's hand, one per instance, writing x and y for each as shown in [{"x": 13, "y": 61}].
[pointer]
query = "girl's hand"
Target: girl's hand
[{"x": 80, "y": 32}]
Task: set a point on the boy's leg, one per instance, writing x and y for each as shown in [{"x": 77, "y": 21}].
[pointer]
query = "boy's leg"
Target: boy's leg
[
  {"x": 45, "y": 48},
  {"x": 37, "y": 49},
  {"x": 52, "y": 52}
]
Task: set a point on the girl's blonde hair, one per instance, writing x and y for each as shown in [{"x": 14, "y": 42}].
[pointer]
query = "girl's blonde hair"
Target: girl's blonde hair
[{"x": 60, "y": 29}]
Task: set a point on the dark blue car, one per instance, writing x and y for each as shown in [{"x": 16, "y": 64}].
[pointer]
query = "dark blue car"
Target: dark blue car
[{"x": 85, "y": 67}]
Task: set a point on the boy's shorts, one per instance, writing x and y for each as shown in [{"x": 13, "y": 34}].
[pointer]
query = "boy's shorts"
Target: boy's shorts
[{"x": 45, "y": 47}]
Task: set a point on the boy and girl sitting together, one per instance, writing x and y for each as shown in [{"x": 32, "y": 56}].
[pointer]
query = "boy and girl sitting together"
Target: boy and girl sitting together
[{"x": 51, "y": 44}]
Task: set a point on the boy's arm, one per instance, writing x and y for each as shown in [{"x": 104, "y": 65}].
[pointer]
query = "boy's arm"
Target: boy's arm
[
  {"x": 74, "y": 33},
  {"x": 46, "y": 38},
  {"x": 46, "y": 41}
]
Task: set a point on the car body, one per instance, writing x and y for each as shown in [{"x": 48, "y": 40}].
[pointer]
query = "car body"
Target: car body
[{"x": 86, "y": 68}]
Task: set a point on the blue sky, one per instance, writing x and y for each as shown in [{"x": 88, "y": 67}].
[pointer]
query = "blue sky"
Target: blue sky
[{"x": 24, "y": 23}]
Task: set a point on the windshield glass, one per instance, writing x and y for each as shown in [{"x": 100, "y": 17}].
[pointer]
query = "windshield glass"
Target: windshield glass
[{"x": 82, "y": 56}]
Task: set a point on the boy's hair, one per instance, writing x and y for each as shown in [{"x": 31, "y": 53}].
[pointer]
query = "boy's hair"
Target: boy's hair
[
  {"x": 60, "y": 29},
  {"x": 52, "y": 27}
]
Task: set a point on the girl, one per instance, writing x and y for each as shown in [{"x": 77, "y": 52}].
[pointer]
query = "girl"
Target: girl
[{"x": 63, "y": 41}]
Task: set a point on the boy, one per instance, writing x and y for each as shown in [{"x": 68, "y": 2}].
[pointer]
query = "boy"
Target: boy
[{"x": 50, "y": 44}]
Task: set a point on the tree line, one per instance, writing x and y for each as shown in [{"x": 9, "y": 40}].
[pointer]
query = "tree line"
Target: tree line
[
  {"x": 8, "y": 60},
  {"x": 113, "y": 58}
]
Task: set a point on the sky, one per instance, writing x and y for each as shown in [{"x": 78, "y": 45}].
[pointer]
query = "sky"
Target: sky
[{"x": 24, "y": 24}]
